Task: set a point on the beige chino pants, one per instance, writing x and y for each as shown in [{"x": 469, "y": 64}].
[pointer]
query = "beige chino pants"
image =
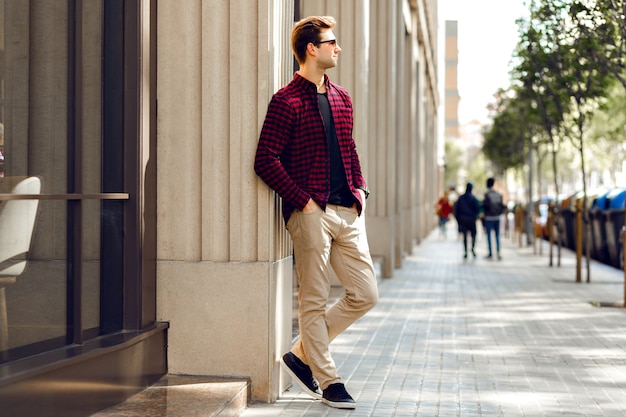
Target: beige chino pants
[{"x": 335, "y": 237}]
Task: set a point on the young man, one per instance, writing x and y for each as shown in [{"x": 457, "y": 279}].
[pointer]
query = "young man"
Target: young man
[
  {"x": 493, "y": 208},
  {"x": 306, "y": 153}
]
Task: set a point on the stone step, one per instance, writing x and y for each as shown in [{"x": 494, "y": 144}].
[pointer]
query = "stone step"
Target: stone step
[{"x": 188, "y": 396}]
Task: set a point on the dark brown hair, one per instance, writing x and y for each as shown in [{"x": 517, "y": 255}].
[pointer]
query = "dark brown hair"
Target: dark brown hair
[{"x": 308, "y": 31}]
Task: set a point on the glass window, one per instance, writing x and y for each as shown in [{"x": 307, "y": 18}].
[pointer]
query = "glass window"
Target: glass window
[{"x": 51, "y": 100}]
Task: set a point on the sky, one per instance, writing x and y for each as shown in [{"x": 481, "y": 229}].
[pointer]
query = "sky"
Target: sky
[{"x": 487, "y": 36}]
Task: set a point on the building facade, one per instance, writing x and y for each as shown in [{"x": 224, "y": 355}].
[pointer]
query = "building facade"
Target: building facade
[
  {"x": 155, "y": 248},
  {"x": 452, "y": 97}
]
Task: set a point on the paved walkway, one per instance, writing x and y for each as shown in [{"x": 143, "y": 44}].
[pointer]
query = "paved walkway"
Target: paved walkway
[{"x": 481, "y": 338}]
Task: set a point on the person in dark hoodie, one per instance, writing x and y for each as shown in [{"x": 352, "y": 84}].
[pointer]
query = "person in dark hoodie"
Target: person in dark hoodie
[{"x": 466, "y": 211}]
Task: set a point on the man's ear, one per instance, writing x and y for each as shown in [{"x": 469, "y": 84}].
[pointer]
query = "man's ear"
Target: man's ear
[{"x": 310, "y": 48}]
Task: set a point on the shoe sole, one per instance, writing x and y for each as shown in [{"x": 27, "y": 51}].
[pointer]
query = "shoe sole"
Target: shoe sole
[
  {"x": 306, "y": 389},
  {"x": 342, "y": 405}
]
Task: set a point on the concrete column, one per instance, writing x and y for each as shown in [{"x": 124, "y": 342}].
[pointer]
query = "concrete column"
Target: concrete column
[
  {"x": 383, "y": 207},
  {"x": 426, "y": 15},
  {"x": 403, "y": 237},
  {"x": 224, "y": 260},
  {"x": 412, "y": 133}
]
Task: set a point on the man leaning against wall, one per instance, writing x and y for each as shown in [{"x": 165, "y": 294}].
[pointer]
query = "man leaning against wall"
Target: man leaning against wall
[{"x": 306, "y": 153}]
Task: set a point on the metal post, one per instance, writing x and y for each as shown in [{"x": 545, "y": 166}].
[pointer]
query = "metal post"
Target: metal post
[
  {"x": 579, "y": 239},
  {"x": 624, "y": 254},
  {"x": 550, "y": 227}
]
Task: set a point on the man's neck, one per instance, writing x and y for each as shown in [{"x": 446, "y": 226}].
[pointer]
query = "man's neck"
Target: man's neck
[{"x": 316, "y": 77}]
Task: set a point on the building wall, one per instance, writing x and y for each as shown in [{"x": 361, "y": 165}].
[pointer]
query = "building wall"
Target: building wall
[
  {"x": 451, "y": 81},
  {"x": 224, "y": 267}
]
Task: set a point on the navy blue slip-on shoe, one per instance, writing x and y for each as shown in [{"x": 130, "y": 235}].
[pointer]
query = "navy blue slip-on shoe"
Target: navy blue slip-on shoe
[
  {"x": 302, "y": 374},
  {"x": 335, "y": 395}
]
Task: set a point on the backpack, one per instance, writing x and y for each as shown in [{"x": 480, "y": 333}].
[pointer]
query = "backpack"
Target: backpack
[{"x": 494, "y": 205}]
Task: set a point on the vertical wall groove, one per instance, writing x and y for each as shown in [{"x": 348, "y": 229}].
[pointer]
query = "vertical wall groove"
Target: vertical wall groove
[
  {"x": 179, "y": 126},
  {"x": 215, "y": 173}
]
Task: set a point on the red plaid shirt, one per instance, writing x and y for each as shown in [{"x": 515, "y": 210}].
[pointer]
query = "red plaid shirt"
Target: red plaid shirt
[{"x": 292, "y": 155}]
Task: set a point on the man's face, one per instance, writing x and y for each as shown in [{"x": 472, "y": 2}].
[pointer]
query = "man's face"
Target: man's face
[{"x": 328, "y": 50}]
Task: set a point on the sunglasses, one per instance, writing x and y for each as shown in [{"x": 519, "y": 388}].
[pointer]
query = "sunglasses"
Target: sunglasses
[{"x": 332, "y": 42}]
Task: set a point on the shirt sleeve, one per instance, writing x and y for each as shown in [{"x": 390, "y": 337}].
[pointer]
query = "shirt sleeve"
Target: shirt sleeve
[
  {"x": 357, "y": 174},
  {"x": 275, "y": 133}
]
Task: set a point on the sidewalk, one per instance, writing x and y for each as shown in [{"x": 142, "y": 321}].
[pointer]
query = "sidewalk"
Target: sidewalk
[{"x": 481, "y": 338}]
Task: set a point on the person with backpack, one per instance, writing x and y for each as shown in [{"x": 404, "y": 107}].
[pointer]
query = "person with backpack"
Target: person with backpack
[{"x": 493, "y": 207}]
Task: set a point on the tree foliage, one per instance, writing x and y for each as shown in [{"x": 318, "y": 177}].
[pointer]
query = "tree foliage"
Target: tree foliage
[
  {"x": 505, "y": 140},
  {"x": 601, "y": 24}
]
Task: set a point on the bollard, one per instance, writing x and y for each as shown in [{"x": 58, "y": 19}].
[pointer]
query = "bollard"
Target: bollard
[
  {"x": 624, "y": 254},
  {"x": 579, "y": 239},
  {"x": 550, "y": 227},
  {"x": 519, "y": 223},
  {"x": 537, "y": 230}
]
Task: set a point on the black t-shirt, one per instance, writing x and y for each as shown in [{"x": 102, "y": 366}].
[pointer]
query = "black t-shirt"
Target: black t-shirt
[{"x": 339, "y": 190}]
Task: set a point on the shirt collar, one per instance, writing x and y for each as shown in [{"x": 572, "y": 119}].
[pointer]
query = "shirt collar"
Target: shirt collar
[{"x": 304, "y": 83}]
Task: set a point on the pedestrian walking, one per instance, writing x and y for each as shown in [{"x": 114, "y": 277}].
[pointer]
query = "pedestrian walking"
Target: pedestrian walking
[
  {"x": 466, "y": 212},
  {"x": 443, "y": 209},
  {"x": 493, "y": 207},
  {"x": 307, "y": 154}
]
